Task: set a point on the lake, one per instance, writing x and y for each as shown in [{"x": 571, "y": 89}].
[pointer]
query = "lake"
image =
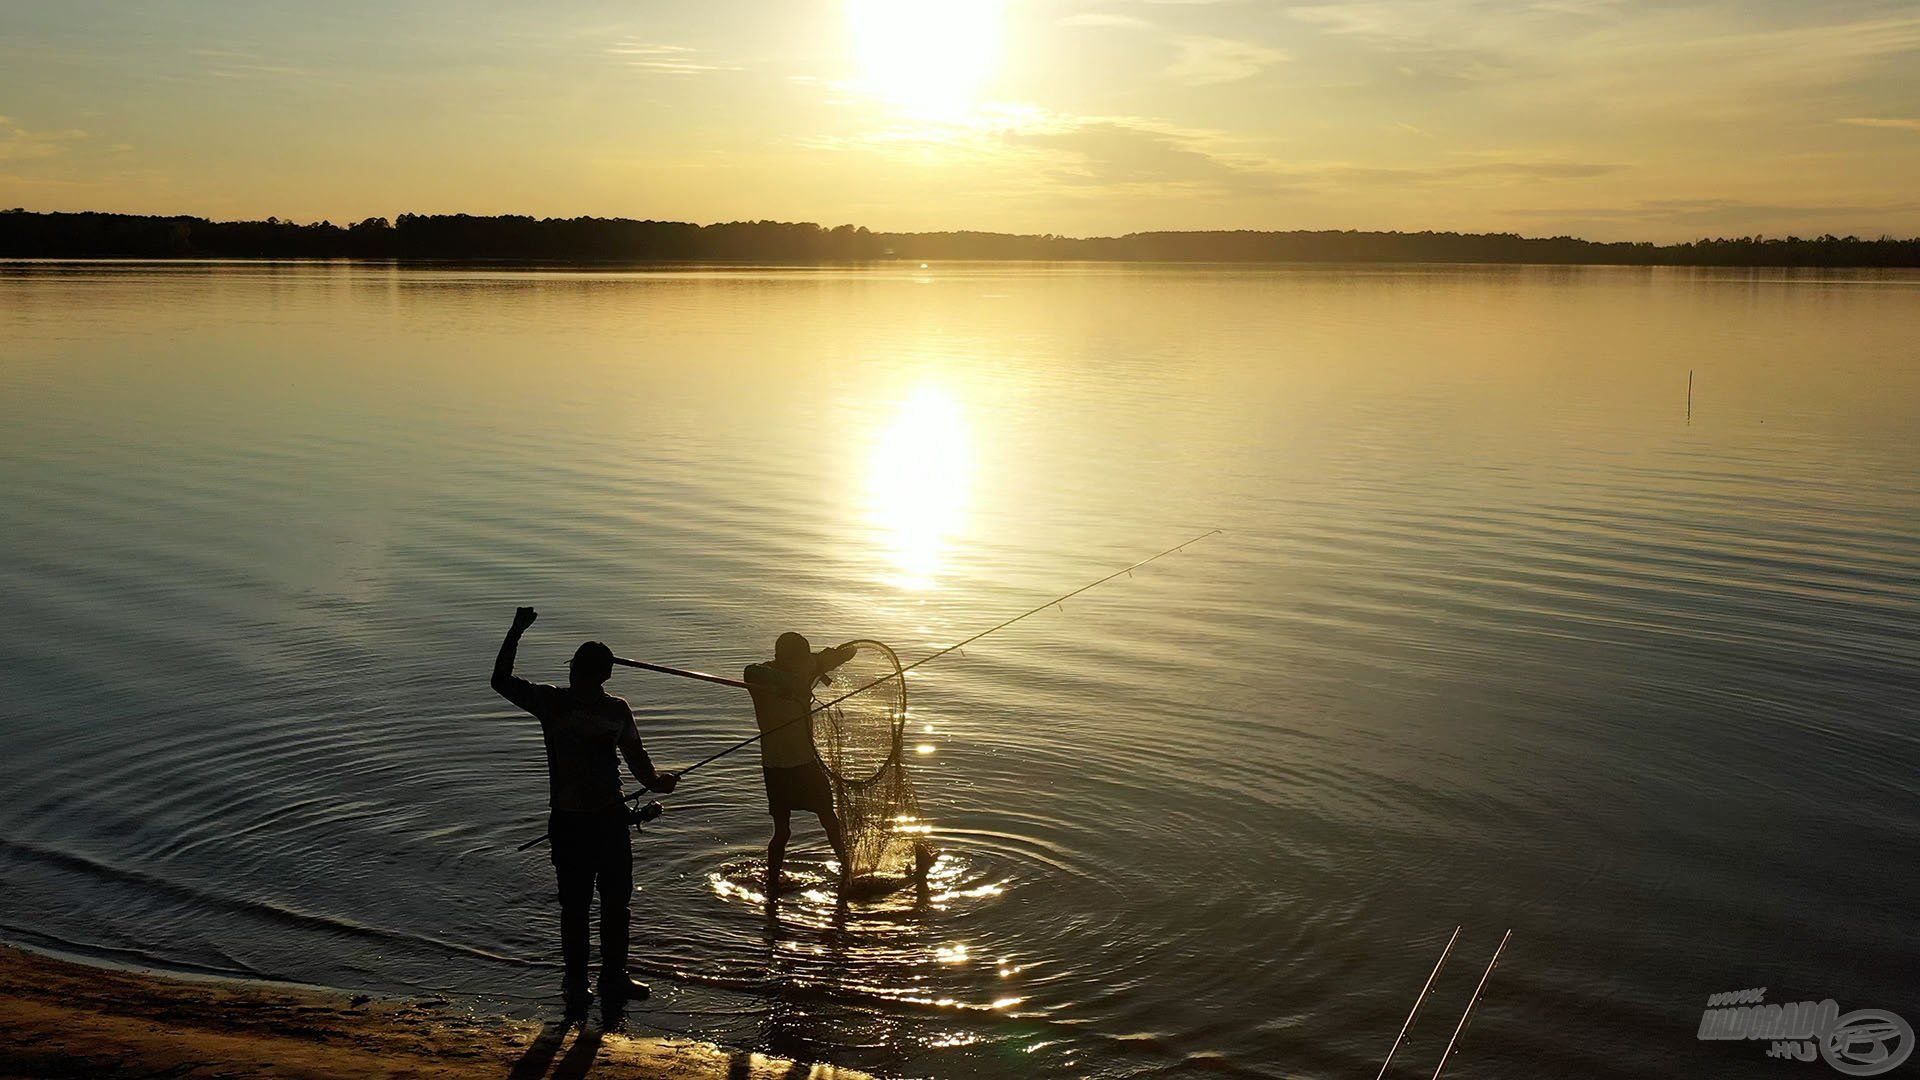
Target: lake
[{"x": 1498, "y": 635}]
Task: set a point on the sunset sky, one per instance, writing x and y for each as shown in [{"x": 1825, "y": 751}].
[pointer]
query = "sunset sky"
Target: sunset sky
[{"x": 1605, "y": 118}]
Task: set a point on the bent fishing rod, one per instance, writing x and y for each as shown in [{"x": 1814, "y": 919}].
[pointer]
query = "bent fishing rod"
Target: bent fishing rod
[{"x": 928, "y": 659}]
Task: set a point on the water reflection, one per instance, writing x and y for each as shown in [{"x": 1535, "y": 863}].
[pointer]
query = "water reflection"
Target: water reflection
[
  {"x": 922, "y": 465},
  {"x": 1482, "y": 574}
]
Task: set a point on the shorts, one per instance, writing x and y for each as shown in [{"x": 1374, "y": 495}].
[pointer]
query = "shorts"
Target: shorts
[{"x": 802, "y": 787}]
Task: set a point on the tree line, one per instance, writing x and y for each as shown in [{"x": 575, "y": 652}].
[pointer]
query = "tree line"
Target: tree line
[{"x": 27, "y": 234}]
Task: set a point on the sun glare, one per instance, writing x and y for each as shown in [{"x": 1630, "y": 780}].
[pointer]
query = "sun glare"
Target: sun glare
[
  {"x": 926, "y": 57},
  {"x": 922, "y": 462}
]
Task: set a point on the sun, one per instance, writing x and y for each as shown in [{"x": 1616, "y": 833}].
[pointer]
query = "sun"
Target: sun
[{"x": 926, "y": 57}]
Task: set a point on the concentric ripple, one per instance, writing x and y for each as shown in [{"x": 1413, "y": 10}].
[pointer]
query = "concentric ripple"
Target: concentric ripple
[{"x": 1496, "y": 638}]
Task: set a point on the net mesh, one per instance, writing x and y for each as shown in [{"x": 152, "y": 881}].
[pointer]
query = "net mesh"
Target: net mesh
[{"x": 859, "y": 740}]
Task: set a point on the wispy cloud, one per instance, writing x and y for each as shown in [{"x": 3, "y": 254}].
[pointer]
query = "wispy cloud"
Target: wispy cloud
[
  {"x": 1137, "y": 155},
  {"x": 1654, "y": 51},
  {"x": 1106, "y": 19},
  {"x": 241, "y": 64},
  {"x": 665, "y": 59},
  {"x": 1062, "y": 152},
  {"x": 1479, "y": 173},
  {"x": 1208, "y": 61},
  {"x": 1783, "y": 56},
  {"x": 1127, "y": 152},
  {"x": 1721, "y": 213},
  {"x": 19, "y": 144},
  {"x": 1199, "y": 59},
  {"x": 1901, "y": 122},
  {"x": 1515, "y": 170}
]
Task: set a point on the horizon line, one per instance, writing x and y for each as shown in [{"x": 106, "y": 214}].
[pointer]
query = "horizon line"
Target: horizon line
[{"x": 393, "y": 221}]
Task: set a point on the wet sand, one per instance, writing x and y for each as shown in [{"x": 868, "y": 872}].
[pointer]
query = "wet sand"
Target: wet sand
[{"x": 63, "y": 1019}]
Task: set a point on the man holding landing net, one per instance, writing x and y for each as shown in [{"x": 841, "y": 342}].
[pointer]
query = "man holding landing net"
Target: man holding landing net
[{"x": 783, "y": 700}]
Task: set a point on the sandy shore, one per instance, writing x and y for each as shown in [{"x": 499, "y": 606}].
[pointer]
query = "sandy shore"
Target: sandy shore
[{"x": 63, "y": 1019}]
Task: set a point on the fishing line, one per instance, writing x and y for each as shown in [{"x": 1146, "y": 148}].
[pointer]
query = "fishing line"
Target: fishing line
[{"x": 929, "y": 658}]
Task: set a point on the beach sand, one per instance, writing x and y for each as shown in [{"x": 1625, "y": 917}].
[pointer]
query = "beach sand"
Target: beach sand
[{"x": 63, "y": 1019}]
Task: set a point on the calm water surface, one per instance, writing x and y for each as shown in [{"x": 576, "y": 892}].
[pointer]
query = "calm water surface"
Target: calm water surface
[{"x": 1496, "y": 638}]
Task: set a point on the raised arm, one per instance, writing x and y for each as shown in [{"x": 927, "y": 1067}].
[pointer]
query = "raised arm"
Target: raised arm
[
  {"x": 827, "y": 659},
  {"x": 517, "y": 690}
]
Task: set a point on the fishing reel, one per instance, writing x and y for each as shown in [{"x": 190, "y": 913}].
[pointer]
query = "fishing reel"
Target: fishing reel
[{"x": 642, "y": 815}]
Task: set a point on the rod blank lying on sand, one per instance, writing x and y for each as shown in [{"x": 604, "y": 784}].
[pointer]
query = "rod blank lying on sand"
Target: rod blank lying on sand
[
  {"x": 1460, "y": 1028},
  {"x": 1417, "y": 1002}
]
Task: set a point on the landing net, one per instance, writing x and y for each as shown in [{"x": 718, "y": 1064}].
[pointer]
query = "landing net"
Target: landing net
[{"x": 860, "y": 741}]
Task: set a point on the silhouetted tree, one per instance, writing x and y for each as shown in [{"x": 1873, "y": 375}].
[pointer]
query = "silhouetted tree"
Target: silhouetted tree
[{"x": 24, "y": 234}]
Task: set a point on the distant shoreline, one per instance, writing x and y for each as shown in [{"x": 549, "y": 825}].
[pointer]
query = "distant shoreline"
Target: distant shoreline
[
  {"x": 748, "y": 265},
  {"x": 59, "y": 1017},
  {"x": 600, "y": 241}
]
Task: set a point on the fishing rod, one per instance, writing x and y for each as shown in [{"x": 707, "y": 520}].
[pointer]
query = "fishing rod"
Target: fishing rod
[
  {"x": 929, "y": 658},
  {"x": 663, "y": 669},
  {"x": 1417, "y": 1002},
  {"x": 1460, "y": 1028}
]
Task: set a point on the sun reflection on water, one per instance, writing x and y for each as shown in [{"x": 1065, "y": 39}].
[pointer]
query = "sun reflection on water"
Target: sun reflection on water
[{"x": 922, "y": 465}]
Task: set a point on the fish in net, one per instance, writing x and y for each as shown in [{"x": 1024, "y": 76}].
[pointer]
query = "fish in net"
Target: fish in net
[{"x": 859, "y": 739}]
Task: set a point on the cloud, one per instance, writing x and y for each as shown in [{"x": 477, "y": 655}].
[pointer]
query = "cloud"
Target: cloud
[
  {"x": 1107, "y": 19},
  {"x": 240, "y": 64},
  {"x": 1587, "y": 44},
  {"x": 1199, "y": 59},
  {"x": 1114, "y": 152},
  {"x": 1209, "y": 61},
  {"x": 1505, "y": 170},
  {"x": 1579, "y": 7},
  {"x": 19, "y": 144},
  {"x": 1722, "y": 213},
  {"x": 1370, "y": 20},
  {"x": 1127, "y": 153},
  {"x": 664, "y": 59},
  {"x": 1048, "y": 150},
  {"x": 1902, "y": 122},
  {"x": 1773, "y": 59}
]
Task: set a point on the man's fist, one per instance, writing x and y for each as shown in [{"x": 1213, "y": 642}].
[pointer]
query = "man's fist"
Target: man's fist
[
  {"x": 664, "y": 783},
  {"x": 523, "y": 617}
]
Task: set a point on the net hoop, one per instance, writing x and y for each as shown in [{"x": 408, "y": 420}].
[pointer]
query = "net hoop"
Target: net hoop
[
  {"x": 859, "y": 739},
  {"x": 845, "y": 759}
]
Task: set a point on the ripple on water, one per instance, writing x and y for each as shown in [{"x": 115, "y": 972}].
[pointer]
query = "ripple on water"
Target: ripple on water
[{"x": 1493, "y": 639}]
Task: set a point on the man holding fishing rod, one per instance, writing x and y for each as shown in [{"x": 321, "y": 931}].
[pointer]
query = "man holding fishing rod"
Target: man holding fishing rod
[{"x": 584, "y": 727}]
